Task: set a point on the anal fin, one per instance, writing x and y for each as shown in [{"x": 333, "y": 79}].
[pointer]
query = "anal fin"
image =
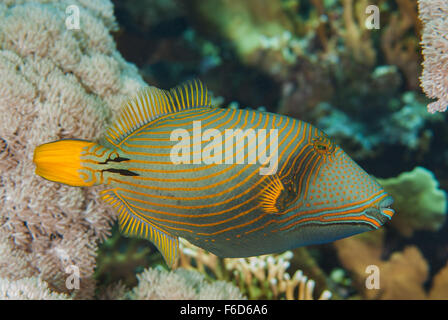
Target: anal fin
[{"x": 135, "y": 224}]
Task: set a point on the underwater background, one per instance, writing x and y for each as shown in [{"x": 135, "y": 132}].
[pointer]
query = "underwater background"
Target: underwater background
[{"x": 314, "y": 60}]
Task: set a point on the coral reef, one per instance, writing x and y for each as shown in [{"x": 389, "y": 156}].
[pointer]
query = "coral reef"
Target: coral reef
[
  {"x": 57, "y": 83},
  {"x": 181, "y": 284},
  {"x": 120, "y": 259},
  {"x": 402, "y": 276},
  {"x": 433, "y": 14},
  {"x": 63, "y": 83},
  {"x": 244, "y": 23},
  {"x": 417, "y": 199},
  {"x": 263, "y": 277},
  {"x": 439, "y": 289},
  {"x": 406, "y": 127},
  {"x": 399, "y": 45},
  {"x": 153, "y": 284},
  {"x": 28, "y": 289},
  {"x": 357, "y": 38},
  {"x": 313, "y": 60}
]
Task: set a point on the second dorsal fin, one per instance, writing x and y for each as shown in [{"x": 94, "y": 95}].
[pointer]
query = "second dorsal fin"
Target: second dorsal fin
[{"x": 151, "y": 103}]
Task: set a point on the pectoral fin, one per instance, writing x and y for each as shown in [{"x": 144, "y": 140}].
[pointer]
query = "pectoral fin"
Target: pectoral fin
[{"x": 276, "y": 194}]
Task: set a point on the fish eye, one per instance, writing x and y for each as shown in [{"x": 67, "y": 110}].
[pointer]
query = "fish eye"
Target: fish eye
[
  {"x": 323, "y": 145},
  {"x": 113, "y": 156}
]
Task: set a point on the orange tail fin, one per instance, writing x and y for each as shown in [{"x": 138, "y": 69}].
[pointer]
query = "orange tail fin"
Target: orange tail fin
[{"x": 60, "y": 161}]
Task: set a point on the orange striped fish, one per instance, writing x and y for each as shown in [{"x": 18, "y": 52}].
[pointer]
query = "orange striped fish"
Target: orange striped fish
[{"x": 178, "y": 167}]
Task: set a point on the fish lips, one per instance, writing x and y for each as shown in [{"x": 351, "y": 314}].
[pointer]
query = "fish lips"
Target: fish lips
[{"x": 382, "y": 212}]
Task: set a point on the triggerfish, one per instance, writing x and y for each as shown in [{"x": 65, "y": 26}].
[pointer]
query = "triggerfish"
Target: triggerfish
[{"x": 235, "y": 182}]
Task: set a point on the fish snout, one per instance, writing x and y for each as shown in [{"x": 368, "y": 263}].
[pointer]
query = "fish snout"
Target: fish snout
[
  {"x": 384, "y": 207},
  {"x": 381, "y": 211}
]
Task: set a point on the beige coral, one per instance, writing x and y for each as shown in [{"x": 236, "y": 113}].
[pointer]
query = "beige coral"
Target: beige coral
[
  {"x": 263, "y": 277},
  {"x": 401, "y": 276},
  {"x": 153, "y": 284},
  {"x": 56, "y": 83},
  {"x": 434, "y": 79},
  {"x": 357, "y": 37},
  {"x": 181, "y": 284},
  {"x": 398, "y": 47},
  {"x": 28, "y": 289},
  {"x": 439, "y": 289}
]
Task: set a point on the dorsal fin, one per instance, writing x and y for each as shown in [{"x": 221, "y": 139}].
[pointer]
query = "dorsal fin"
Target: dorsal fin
[{"x": 151, "y": 103}]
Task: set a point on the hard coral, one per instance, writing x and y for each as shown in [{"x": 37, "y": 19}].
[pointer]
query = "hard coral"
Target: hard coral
[
  {"x": 357, "y": 37},
  {"x": 400, "y": 48},
  {"x": 263, "y": 277}
]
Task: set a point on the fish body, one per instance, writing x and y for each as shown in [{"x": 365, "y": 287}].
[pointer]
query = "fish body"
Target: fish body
[{"x": 237, "y": 183}]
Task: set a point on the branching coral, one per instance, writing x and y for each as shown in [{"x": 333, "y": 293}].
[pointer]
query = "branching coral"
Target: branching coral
[
  {"x": 400, "y": 48},
  {"x": 357, "y": 37},
  {"x": 56, "y": 83},
  {"x": 262, "y": 277},
  {"x": 434, "y": 80},
  {"x": 266, "y": 276}
]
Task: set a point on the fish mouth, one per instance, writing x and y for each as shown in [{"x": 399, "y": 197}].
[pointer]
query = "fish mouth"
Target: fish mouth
[
  {"x": 381, "y": 211},
  {"x": 384, "y": 207}
]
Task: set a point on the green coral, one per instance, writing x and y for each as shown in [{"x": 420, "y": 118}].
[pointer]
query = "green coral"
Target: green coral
[
  {"x": 419, "y": 204},
  {"x": 242, "y": 22}
]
